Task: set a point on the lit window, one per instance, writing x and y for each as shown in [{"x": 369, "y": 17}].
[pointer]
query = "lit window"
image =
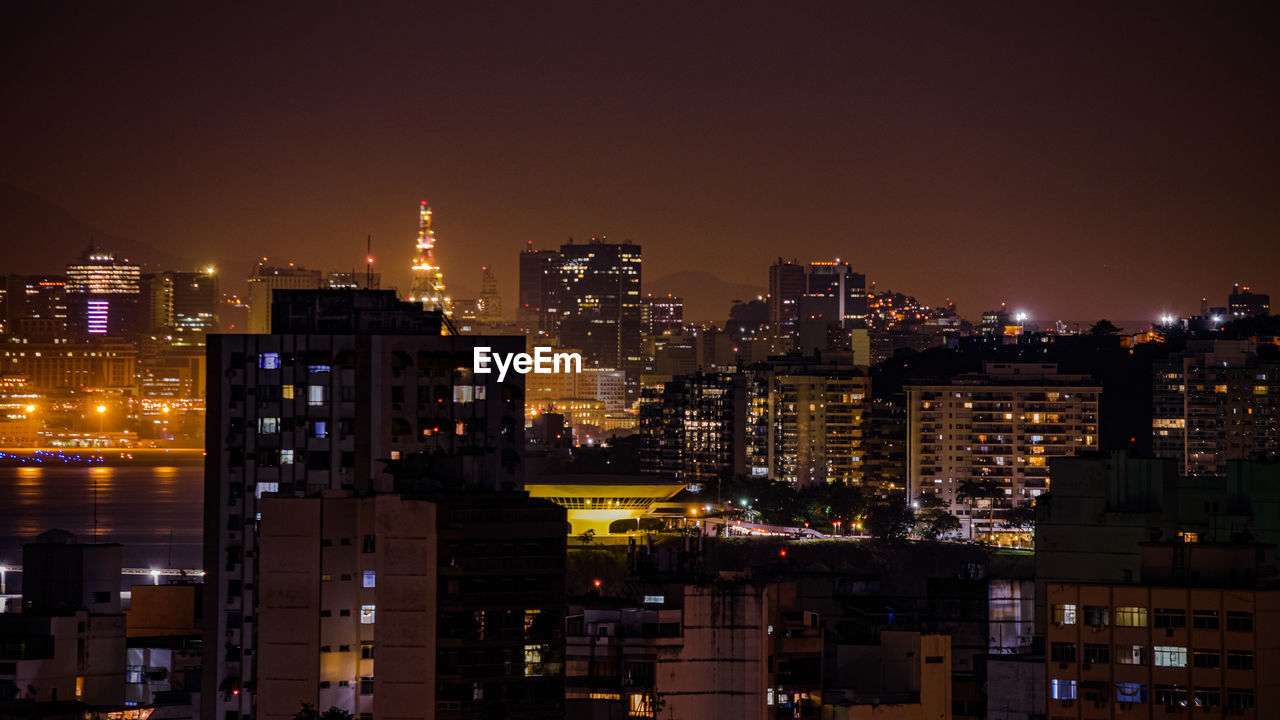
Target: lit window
[
  {"x": 1064, "y": 614},
  {"x": 268, "y": 425},
  {"x": 1131, "y": 692},
  {"x": 1064, "y": 689},
  {"x": 266, "y": 487},
  {"x": 1131, "y": 616},
  {"x": 640, "y": 705},
  {"x": 316, "y": 394},
  {"x": 370, "y": 578},
  {"x": 319, "y": 429},
  {"x": 318, "y": 368},
  {"x": 366, "y": 614},
  {"x": 286, "y": 457},
  {"x": 1170, "y": 656},
  {"x": 268, "y": 361},
  {"x": 286, "y": 392}
]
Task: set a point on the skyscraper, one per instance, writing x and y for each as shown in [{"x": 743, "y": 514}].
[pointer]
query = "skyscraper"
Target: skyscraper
[
  {"x": 786, "y": 286},
  {"x": 599, "y": 287},
  {"x": 490, "y": 300},
  {"x": 836, "y": 294},
  {"x": 36, "y": 307},
  {"x": 538, "y": 309},
  {"x": 428, "y": 278},
  {"x": 103, "y": 295},
  {"x": 183, "y": 302}
]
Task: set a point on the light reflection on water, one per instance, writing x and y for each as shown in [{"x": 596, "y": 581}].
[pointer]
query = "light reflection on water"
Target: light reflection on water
[{"x": 140, "y": 507}]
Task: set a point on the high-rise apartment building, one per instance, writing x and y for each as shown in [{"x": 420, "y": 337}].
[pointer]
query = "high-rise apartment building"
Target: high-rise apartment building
[
  {"x": 693, "y": 428},
  {"x": 347, "y": 382},
  {"x": 996, "y": 431},
  {"x": 1215, "y": 402},
  {"x": 804, "y": 419},
  {"x": 104, "y": 295},
  {"x": 446, "y": 605}
]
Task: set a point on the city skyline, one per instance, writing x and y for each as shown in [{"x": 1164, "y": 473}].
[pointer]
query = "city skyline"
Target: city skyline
[{"x": 988, "y": 160}]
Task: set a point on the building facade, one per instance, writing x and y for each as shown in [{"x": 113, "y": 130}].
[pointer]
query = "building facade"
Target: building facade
[
  {"x": 1213, "y": 403},
  {"x": 997, "y": 432},
  {"x": 1196, "y": 638},
  {"x": 395, "y": 606},
  {"x": 804, "y": 419}
]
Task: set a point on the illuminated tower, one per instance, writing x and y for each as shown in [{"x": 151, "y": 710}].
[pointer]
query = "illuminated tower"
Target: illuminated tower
[{"x": 428, "y": 279}]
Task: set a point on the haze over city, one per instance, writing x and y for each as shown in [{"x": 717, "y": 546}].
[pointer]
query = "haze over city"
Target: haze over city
[{"x": 1078, "y": 161}]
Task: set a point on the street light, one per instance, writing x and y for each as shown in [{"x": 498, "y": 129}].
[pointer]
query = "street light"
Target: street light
[
  {"x": 155, "y": 575},
  {"x": 102, "y": 409}
]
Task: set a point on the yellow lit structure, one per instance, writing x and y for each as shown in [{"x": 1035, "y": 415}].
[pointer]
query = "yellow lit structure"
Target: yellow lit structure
[
  {"x": 428, "y": 278},
  {"x": 595, "y": 501}
]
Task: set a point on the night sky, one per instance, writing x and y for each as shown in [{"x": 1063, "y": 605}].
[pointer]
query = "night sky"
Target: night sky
[{"x": 1077, "y": 160}]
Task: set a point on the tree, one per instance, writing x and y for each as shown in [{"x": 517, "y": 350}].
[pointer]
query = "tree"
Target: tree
[
  {"x": 1104, "y": 328},
  {"x": 889, "y": 521},
  {"x": 935, "y": 522},
  {"x": 1020, "y": 518},
  {"x": 586, "y": 537},
  {"x": 971, "y": 490},
  {"x": 930, "y": 500},
  {"x": 309, "y": 712}
]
